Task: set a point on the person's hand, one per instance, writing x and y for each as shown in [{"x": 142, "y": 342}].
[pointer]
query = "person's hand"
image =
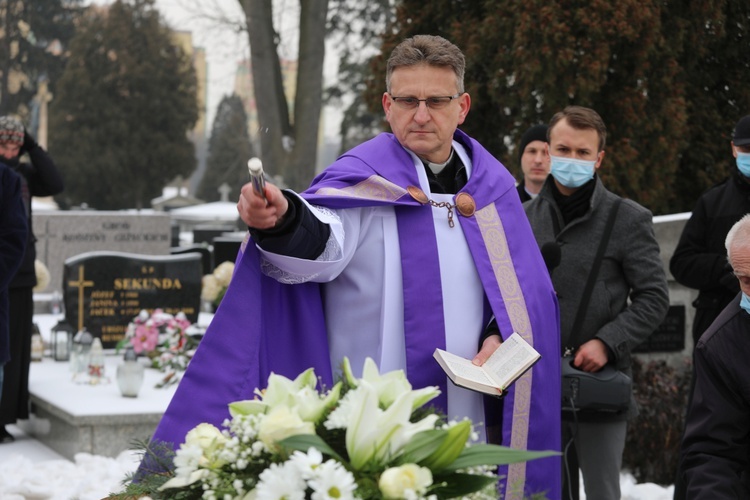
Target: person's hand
[
  {"x": 489, "y": 346},
  {"x": 28, "y": 142},
  {"x": 259, "y": 213},
  {"x": 591, "y": 356}
]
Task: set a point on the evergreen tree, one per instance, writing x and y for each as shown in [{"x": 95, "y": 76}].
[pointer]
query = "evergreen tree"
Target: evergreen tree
[
  {"x": 124, "y": 106},
  {"x": 717, "y": 90},
  {"x": 664, "y": 76},
  {"x": 34, "y": 37},
  {"x": 228, "y": 151}
]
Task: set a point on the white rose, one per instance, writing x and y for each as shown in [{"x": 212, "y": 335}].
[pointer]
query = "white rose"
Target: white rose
[
  {"x": 210, "y": 288},
  {"x": 223, "y": 273},
  {"x": 281, "y": 423},
  {"x": 395, "y": 481},
  {"x": 207, "y": 437}
]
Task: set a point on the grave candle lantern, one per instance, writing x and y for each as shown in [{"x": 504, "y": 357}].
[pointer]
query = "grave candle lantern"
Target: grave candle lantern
[
  {"x": 62, "y": 340},
  {"x": 130, "y": 374},
  {"x": 79, "y": 359}
]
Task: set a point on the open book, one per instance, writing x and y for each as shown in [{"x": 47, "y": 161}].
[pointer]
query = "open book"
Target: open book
[{"x": 507, "y": 363}]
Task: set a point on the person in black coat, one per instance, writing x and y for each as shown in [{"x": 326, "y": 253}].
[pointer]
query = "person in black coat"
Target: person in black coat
[
  {"x": 13, "y": 234},
  {"x": 534, "y": 160},
  {"x": 40, "y": 177},
  {"x": 700, "y": 259},
  {"x": 715, "y": 452}
]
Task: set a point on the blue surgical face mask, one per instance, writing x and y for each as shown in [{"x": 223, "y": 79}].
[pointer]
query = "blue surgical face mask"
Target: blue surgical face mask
[
  {"x": 743, "y": 163},
  {"x": 745, "y": 302},
  {"x": 570, "y": 172}
]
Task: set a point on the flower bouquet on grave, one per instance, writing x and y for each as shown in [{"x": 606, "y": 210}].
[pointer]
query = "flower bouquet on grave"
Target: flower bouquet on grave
[
  {"x": 214, "y": 285},
  {"x": 368, "y": 438},
  {"x": 163, "y": 338}
]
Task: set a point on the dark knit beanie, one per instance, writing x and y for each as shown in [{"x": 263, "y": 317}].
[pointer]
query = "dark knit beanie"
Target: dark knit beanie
[
  {"x": 11, "y": 130},
  {"x": 742, "y": 132},
  {"x": 534, "y": 133}
]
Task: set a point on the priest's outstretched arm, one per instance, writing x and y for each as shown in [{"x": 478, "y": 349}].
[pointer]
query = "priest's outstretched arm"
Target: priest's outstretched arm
[{"x": 283, "y": 224}]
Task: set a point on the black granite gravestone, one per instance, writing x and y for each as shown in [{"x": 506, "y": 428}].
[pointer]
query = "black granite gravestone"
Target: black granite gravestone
[
  {"x": 205, "y": 233},
  {"x": 226, "y": 249},
  {"x": 669, "y": 336},
  {"x": 104, "y": 291},
  {"x": 207, "y": 257}
]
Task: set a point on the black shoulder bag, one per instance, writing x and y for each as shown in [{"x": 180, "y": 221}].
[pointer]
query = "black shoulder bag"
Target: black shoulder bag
[{"x": 608, "y": 389}]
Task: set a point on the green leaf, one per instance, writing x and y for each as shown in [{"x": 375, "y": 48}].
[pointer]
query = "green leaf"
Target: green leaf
[
  {"x": 458, "y": 485},
  {"x": 421, "y": 446},
  {"x": 451, "y": 447},
  {"x": 491, "y": 454},
  {"x": 303, "y": 442}
]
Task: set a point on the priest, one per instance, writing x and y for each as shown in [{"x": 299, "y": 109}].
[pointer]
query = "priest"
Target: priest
[{"x": 412, "y": 241}]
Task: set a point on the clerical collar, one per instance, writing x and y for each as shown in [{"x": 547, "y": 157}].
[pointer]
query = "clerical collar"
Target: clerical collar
[{"x": 438, "y": 167}]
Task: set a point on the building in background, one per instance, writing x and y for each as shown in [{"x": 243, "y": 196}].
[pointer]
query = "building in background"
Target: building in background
[
  {"x": 184, "y": 39},
  {"x": 243, "y": 87}
]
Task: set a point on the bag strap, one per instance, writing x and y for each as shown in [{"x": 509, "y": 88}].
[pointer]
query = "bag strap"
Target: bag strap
[{"x": 594, "y": 270}]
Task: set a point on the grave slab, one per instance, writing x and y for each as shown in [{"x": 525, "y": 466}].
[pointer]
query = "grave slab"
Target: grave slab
[
  {"x": 64, "y": 234},
  {"x": 72, "y": 418}
]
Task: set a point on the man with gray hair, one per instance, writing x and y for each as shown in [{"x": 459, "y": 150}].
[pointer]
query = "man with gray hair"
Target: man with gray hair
[
  {"x": 715, "y": 457},
  {"x": 412, "y": 241}
]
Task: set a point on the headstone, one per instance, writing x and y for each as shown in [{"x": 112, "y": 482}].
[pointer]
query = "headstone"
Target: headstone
[
  {"x": 205, "y": 233},
  {"x": 104, "y": 291},
  {"x": 65, "y": 234},
  {"x": 670, "y": 335},
  {"x": 207, "y": 258},
  {"x": 226, "y": 248}
]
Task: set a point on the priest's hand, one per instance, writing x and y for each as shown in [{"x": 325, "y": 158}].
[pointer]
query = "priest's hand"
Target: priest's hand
[
  {"x": 262, "y": 214},
  {"x": 489, "y": 346}
]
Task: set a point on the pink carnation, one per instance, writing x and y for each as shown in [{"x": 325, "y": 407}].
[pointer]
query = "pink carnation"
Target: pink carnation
[{"x": 144, "y": 339}]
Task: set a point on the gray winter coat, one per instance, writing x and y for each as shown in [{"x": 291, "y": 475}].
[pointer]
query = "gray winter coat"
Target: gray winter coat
[{"x": 631, "y": 269}]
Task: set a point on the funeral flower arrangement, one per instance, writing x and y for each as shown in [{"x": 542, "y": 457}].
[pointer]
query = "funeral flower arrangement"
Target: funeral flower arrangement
[
  {"x": 214, "y": 285},
  {"x": 367, "y": 438},
  {"x": 164, "y": 338}
]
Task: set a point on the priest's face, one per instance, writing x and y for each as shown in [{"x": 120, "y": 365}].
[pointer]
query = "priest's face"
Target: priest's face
[{"x": 427, "y": 127}]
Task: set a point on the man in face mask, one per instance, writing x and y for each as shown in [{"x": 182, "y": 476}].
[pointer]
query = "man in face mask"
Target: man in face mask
[
  {"x": 699, "y": 260},
  {"x": 600, "y": 327},
  {"x": 39, "y": 177},
  {"x": 715, "y": 446}
]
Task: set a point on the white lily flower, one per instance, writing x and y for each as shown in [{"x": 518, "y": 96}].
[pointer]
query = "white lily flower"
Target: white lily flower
[
  {"x": 390, "y": 385},
  {"x": 283, "y": 391},
  {"x": 247, "y": 407},
  {"x": 311, "y": 405},
  {"x": 375, "y": 435}
]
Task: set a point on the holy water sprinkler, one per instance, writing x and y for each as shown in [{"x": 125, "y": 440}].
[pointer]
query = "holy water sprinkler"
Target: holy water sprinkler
[{"x": 255, "y": 167}]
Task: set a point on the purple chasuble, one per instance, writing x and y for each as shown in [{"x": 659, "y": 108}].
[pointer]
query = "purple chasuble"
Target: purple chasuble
[{"x": 263, "y": 326}]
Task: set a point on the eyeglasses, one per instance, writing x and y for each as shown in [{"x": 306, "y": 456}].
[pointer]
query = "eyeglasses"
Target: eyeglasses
[{"x": 437, "y": 102}]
